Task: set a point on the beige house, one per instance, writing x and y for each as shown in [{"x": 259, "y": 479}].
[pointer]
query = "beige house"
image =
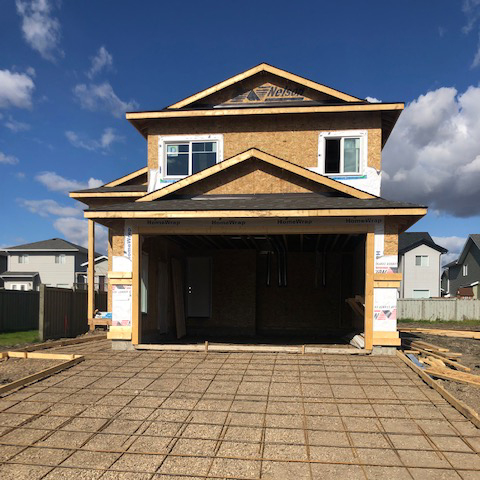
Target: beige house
[
  {"x": 257, "y": 217},
  {"x": 54, "y": 262}
]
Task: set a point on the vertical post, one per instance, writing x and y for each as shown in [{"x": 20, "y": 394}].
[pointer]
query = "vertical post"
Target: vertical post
[
  {"x": 91, "y": 272},
  {"x": 41, "y": 313},
  {"x": 136, "y": 262},
  {"x": 369, "y": 272}
]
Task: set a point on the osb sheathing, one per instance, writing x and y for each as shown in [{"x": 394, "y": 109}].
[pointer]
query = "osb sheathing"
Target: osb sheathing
[
  {"x": 115, "y": 248},
  {"x": 251, "y": 177},
  {"x": 290, "y": 137},
  {"x": 391, "y": 236}
]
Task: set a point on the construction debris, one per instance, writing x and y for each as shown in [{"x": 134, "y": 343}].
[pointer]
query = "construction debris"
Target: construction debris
[{"x": 443, "y": 333}]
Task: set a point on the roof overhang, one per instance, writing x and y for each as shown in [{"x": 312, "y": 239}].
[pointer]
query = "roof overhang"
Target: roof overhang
[{"x": 19, "y": 275}]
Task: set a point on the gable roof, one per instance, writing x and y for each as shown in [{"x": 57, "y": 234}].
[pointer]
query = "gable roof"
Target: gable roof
[
  {"x": 50, "y": 245},
  {"x": 254, "y": 153},
  {"x": 473, "y": 239},
  {"x": 265, "y": 68},
  {"x": 409, "y": 240}
]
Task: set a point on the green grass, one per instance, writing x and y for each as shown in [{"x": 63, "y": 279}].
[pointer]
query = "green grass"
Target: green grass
[
  {"x": 440, "y": 322},
  {"x": 15, "y": 338}
]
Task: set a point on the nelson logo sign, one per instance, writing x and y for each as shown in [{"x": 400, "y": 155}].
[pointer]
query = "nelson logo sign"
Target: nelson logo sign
[{"x": 268, "y": 92}]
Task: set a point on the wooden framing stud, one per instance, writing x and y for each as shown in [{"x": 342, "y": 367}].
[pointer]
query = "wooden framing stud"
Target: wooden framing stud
[{"x": 91, "y": 270}]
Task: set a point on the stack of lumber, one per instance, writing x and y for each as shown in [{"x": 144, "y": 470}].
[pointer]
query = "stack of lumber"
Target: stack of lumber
[
  {"x": 440, "y": 362},
  {"x": 444, "y": 333}
]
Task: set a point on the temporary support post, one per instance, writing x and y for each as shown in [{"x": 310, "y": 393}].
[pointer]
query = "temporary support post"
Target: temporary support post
[
  {"x": 91, "y": 272},
  {"x": 136, "y": 262},
  {"x": 369, "y": 273}
]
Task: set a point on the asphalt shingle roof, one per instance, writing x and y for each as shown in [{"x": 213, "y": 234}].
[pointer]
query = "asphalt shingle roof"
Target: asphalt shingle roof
[
  {"x": 302, "y": 201},
  {"x": 51, "y": 244},
  {"x": 409, "y": 240}
]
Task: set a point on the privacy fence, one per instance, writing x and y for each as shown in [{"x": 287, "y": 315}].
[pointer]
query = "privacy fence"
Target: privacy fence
[
  {"x": 56, "y": 312},
  {"x": 438, "y": 309}
]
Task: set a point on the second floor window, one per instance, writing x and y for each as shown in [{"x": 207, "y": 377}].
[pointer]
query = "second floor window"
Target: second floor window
[
  {"x": 421, "y": 260},
  {"x": 342, "y": 152},
  {"x": 23, "y": 258},
  {"x": 465, "y": 270},
  {"x": 187, "y": 158},
  {"x": 60, "y": 258}
]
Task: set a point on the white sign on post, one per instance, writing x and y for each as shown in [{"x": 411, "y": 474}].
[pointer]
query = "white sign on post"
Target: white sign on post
[{"x": 121, "y": 305}]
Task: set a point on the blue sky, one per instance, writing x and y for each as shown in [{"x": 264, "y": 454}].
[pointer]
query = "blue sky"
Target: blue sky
[{"x": 69, "y": 71}]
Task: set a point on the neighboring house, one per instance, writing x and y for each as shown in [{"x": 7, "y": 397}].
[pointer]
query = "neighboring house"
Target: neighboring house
[
  {"x": 3, "y": 266},
  {"x": 256, "y": 213},
  {"x": 53, "y": 262},
  {"x": 462, "y": 276},
  {"x": 419, "y": 260},
  {"x": 101, "y": 274}
]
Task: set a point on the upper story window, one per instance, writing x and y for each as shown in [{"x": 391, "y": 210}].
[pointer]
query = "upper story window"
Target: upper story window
[
  {"x": 343, "y": 152},
  {"x": 421, "y": 260},
  {"x": 23, "y": 258},
  {"x": 60, "y": 258},
  {"x": 465, "y": 270},
  {"x": 186, "y": 155}
]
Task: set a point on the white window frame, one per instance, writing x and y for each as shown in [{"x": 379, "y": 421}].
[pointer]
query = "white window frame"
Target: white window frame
[
  {"x": 465, "y": 270},
  {"x": 422, "y": 264},
  {"x": 339, "y": 134},
  {"x": 23, "y": 258},
  {"x": 163, "y": 141},
  {"x": 60, "y": 258}
]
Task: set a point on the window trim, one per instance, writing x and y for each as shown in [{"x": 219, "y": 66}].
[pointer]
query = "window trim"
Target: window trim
[
  {"x": 334, "y": 134},
  {"x": 163, "y": 141},
  {"x": 422, "y": 256}
]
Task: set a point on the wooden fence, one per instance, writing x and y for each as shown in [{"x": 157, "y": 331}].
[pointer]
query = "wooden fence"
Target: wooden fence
[
  {"x": 56, "y": 312},
  {"x": 453, "y": 309},
  {"x": 18, "y": 310}
]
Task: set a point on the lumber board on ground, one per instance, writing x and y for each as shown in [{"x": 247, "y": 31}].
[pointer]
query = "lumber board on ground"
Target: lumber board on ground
[
  {"x": 463, "y": 408},
  {"x": 444, "y": 333},
  {"x": 448, "y": 374},
  {"x": 428, "y": 346},
  {"x": 446, "y": 360},
  {"x": 62, "y": 343},
  {"x": 40, "y": 375}
]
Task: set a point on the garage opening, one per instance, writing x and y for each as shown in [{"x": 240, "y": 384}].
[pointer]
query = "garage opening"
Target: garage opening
[{"x": 288, "y": 289}]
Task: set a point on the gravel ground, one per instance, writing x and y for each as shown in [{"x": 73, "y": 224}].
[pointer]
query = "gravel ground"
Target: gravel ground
[
  {"x": 12, "y": 369},
  {"x": 470, "y": 350}
]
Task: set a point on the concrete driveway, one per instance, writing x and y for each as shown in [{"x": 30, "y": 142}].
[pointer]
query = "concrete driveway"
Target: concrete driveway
[{"x": 155, "y": 415}]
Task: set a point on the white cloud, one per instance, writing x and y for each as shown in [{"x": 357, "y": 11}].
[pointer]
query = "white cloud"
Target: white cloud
[
  {"x": 16, "y": 89},
  {"x": 105, "y": 141},
  {"x": 102, "y": 97},
  {"x": 20, "y": 175},
  {"x": 102, "y": 60},
  {"x": 40, "y": 29},
  {"x": 471, "y": 9},
  {"x": 453, "y": 244},
  {"x": 373, "y": 100},
  {"x": 76, "y": 230},
  {"x": 57, "y": 183},
  {"x": 48, "y": 207},
  {"x": 432, "y": 156},
  {"x": 8, "y": 159},
  {"x": 16, "y": 126}
]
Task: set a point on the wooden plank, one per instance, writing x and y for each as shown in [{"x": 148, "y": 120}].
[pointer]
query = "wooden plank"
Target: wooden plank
[
  {"x": 385, "y": 284},
  {"x": 61, "y": 343},
  {"x": 40, "y": 375},
  {"x": 462, "y": 407},
  {"x": 444, "y": 359},
  {"x": 387, "y": 277},
  {"x": 265, "y": 157},
  {"x": 106, "y": 194},
  {"x": 387, "y": 341},
  {"x": 369, "y": 273},
  {"x": 444, "y": 333},
  {"x": 118, "y": 275},
  {"x": 126, "y": 178},
  {"x": 91, "y": 270},
  {"x": 178, "y": 295},
  {"x": 121, "y": 281},
  {"x": 120, "y": 333},
  {"x": 428, "y": 346},
  {"x": 264, "y": 67},
  {"x": 360, "y": 212},
  {"x": 449, "y": 374},
  {"x": 222, "y": 112}
]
